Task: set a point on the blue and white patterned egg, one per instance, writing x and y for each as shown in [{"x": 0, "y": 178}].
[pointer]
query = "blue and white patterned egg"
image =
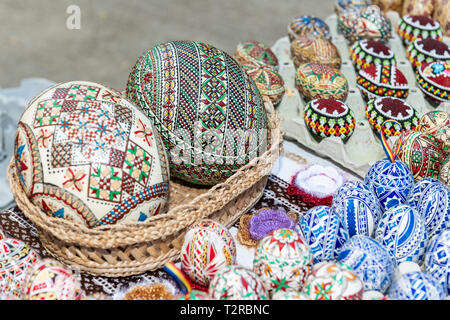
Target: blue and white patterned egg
[
  {"x": 416, "y": 286},
  {"x": 402, "y": 232},
  {"x": 324, "y": 232},
  {"x": 437, "y": 258},
  {"x": 390, "y": 182},
  {"x": 432, "y": 199},
  {"x": 370, "y": 260},
  {"x": 358, "y": 208}
]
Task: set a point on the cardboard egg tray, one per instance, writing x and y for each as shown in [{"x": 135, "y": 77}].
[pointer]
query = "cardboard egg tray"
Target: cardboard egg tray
[{"x": 363, "y": 148}]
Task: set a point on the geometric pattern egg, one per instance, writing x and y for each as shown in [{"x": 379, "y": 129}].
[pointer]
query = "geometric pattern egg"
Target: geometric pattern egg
[
  {"x": 369, "y": 51},
  {"x": 416, "y": 286},
  {"x": 402, "y": 231},
  {"x": 207, "y": 109},
  {"x": 415, "y": 196},
  {"x": 437, "y": 258},
  {"x": 308, "y": 26},
  {"x": 256, "y": 52},
  {"x": 208, "y": 246},
  {"x": 427, "y": 50},
  {"x": 432, "y": 121},
  {"x": 412, "y": 27},
  {"x": 85, "y": 153}
]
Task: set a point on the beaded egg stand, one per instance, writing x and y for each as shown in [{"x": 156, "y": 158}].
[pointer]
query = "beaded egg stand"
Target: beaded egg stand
[{"x": 361, "y": 150}]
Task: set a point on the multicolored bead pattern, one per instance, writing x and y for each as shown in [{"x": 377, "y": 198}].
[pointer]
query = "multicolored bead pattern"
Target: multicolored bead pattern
[
  {"x": 433, "y": 78},
  {"x": 427, "y": 50},
  {"x": 437, "y": 258},
  {"x": 307, "y": 49},
  {"x": 369, "y": 51},
  {"x": 205, "y": 106},
  {"x": 412, "y": 27},
  {"x": 321, "y": 81},
  {"x": 327, "y": 117},
  {"x": 282, "y": 261},
  {"x": 85, "y": 153},
  {"x": 382, "y": 81},
  {"x": 308, "y": 25},
  {"x": 256, "y": 52},
  {"x": 416, "y": 286}
]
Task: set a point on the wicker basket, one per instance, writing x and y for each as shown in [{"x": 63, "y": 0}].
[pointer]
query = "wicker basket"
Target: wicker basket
[{"x": 127, "y": 249}]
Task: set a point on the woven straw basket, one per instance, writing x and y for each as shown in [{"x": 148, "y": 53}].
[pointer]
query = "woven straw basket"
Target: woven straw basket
[{"x": 127, "y": 249}]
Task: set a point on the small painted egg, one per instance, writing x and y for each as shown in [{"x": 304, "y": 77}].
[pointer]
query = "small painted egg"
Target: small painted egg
[
  {"x": 333, "y": 281},
  {"x": 432, "y": 121},
  {"x": 366, "y": 52},
  {"x": 427, "y": 50},
  {"x": 194, "y": 295},
  {"x": 415, "y": 196},
  {"x": 358, "y": 207},
  {"x": 418, "y": 7},
  {"x": 328, "y": 117},
  {"x": 307, "y": 49},
  {"x": 444, "y": 175},
  {"x": 308, "y": 25},
  {"x": 377, "y": 81},
  {"x": 320, "y": 81},
  {"x": 324, "y": 232},
  {"x": 370, "y": 261},
  {"x": 282, "y": 261},
  {"x": 342, "y": 5},
  {"x": 402, "y": 231},
  {"x": 433, "y": 78},
  {"x": 412, "y": 27},
  {"x": 237, "y": 283},
  {"x": 256, "y": 52},
  {"x": 208, "y": 246},
  {"x": 416, "y": 286},
  {"x": 16, "y": 257},
  {"x": 437, "y": 258},
  {"x": 441, "y": 14},
  {"x": 50, "y": 280}
]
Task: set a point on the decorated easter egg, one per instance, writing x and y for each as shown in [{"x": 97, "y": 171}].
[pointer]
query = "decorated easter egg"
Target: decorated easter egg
[
  {"x": 365, "y": 23},
  {"x": 87, "y": 154},
  {"x": 427, "y": 50},
  {"x": 194, "y": 295},
  {"x": 444, "y": 175},
  {"x": 412, "y": 27},
  {"x": 416, "y": 286},
  {"x": 416, "y": 194},
  {"x": 324, "y": 232},
  {"x": 441, "y": 14},
  {"x": 370, "y": 261},
  {"x": 321, "y": 81},
  {"x": 237, "y": 283},
  {"x": 402, "y": 231},
  {"x": 208, "y": 246},
  {"x": 50, "y": 280},
  {"x": 358, "y": 208},
  {"x": 308, "y": 25},
  {"x": 421, "y": 153},
  {"x": 268, "y": 81},
  {"x": 387, "y": 108},
  {"x": 432, "y": 121},
  {"x": 437, "y": 258},
  {"x": 390, "y": 182},
  {"x": 289, "y": 295},
  {"x": 418, "y": 7},
  {"x": 333, "y": 281},
  {"x": 16, "y": 257},
  {"x": 307, "y": 49},
  {"x": 377, "y": 81},
  {"x": 256, "y": 52},
  {"x": 369, "y": 51},
  {"x": 207, "y": 109},
  {"x": 389, "y": 5},
  {"x": 282, "y": 261},
  {"x": 433, "y": 78},
  {"x": 342, "y": 5},
  {"x": 328, "y": 117}
]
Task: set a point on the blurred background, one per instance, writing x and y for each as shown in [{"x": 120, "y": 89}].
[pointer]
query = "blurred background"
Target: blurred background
[{"x": 36, "y": 42}]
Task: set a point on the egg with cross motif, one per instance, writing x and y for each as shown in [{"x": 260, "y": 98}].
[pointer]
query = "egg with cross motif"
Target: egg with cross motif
[{"x": 85, "y": 153}]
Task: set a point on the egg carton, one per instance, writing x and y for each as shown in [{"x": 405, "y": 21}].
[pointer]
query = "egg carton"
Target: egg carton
[{"x": 363, "y": 148}]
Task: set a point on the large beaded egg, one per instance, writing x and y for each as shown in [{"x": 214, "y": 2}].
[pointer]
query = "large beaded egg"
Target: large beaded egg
[
  {"x": 16, "y": 258},
  {"x": 416, "y": 286},
  {"x": 308, "y": 25},
  {"x": 363, "y": 53},
  {"x": 256, "y": 52},
  {"x": 433, "y": 78},
  {"x": 237, "y": 283},
  {"x": 421, "y": 153},
  {"x": 328, "y": 117},
  {"x": 333, "y": 281},
  {"x": 324, "y": 232},
  {"x": 358, "y": 207},
  {"x": 387, "y": 108},
  {"x": 412, "y": 27},
  {"x": 85, "y": 153},
  {"x": 432, "y": 121},
  {"x": 437, "y": 258},
  {"x": 207, "y": 109},
  {"x": 320, "y": 81},
  {"x": 427, "y": 50},
  {"x": 283, "y": 261},
  {"x": 402, "y": 231},
  {"x": 48, "y": 279},
  {"x": 370, "y": 261},
  {"x": 444, "y": 175},
  {"x": 208, "y": 246},
  {"x": 307, "y": 49},
  {"x": 377, "y": 81},
  {"x": 390, "y": 182}
]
